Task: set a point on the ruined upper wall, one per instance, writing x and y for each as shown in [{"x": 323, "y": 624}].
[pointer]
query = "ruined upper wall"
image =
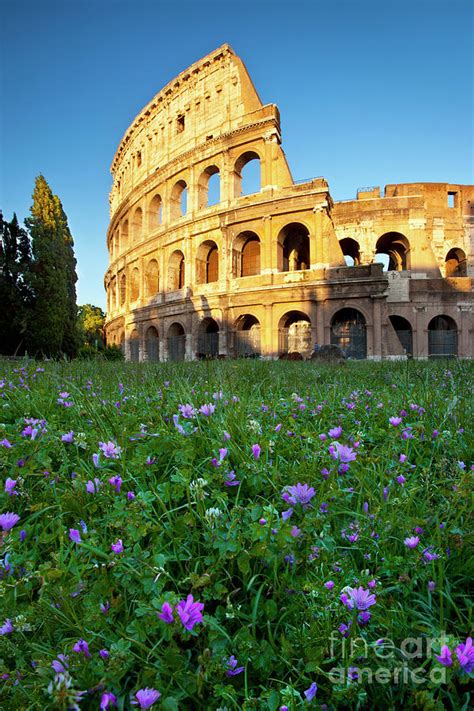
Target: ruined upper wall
[{"x": 211, "y": 98}]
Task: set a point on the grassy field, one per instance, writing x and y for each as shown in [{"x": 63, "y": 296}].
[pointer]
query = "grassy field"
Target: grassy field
[{"x": 235, "y": 535}]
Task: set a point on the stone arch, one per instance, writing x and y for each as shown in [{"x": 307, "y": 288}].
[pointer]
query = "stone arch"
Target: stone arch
[
  {"x": 207, "y": 262},
  {"x": 209, "y": 188},
  {"x": 247, "y": 180},
  {"x": 124, "y": 235},
  {"x": 293, "y": 248},
  {"x": 246, "y": 255},
  {"x": 135, "y": 284},
  {"x": 134, "y": 346},
  {"x": 395, "y": 250},
  {"x": 349, "y": 332},
  {"x": 176, "y": 271},
  {"x": 294, "y": 334},
  {"x": 123, "y": 289},
  {"x": 176, "y": 342},
  {"x": 152, "y": 278},
  {"x": 456, "y": 264},
  {"x": 351, "y": 251},
  {"x": 208, "y": 338},
  {"x": 246, "y": 336},
  {"x": 404, "y": 332},
  {"x": 179, "y": 200},
  {"x": 155, "y": 212},
  {"x": 442, "y": 337},
  {"x": 137, "y": 225},
  {"x": 152, "y": 344}
]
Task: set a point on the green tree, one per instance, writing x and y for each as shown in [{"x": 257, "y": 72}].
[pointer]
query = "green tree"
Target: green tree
[
  {"x": 91, "y": 323},
  {"x": 53, "y": 323},
  {"x": 15, "y": 294}
]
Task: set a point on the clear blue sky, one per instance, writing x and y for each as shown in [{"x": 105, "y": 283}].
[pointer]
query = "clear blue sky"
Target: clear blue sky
[{"x": 370, "y": 92}]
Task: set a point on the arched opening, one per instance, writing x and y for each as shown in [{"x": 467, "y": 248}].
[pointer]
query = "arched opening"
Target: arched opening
[
  {"x": 404, "y": 332},
  {"x": 351, "y": 251},
  {"x": 246, "y": 337},
  {"x": 208, "y": 339},
  {"x": 246, "y": 255},
  {"x": 456, "y": 265},
  {"x": 134, "y": 346},
  {"x": 207, "y": 263},
  {"x": 179, "y": 200},
  {"x": 123, "y": 289},
  {"x": 294, "y": 334},
  {"x": 176, "y": 271},
  {"x": 209, "y": 187},
  {"x": 247, "y": 178},
  {"x": 155, "y": 215},
  {"x": 293, "y": 248},
  {"x": 152, "y": 278},
  {"x": 152, "y": 344},
  {"x": 176, "y": 342},
  {"x": 113, "y": 295},
  {"x": 348, "y": 331},
  {"x": 442, "y": 337},
  {"x": 137, "y": 224},
  {"x": 124, "y": 236},
  {"x": 393, "y": 251},
  {"x": 135, "y": 285}
]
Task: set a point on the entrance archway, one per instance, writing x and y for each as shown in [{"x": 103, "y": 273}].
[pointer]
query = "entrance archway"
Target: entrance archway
[{"x": 348, "y": 331}]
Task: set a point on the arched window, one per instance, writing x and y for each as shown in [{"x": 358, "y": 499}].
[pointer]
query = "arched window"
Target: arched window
[
  {"x": 209, "y": 187},
  {"x": 176, "y": 342},
  {"x": 348, "y": 331},
  {"x": 179, "y": 199},
  {"x": 152, "y": 278},
  {"x": 124, "y": 235},
  {"x": 293, "y": 246},
  {"x": 137, "y": 224},
  {"x": 404, "y": 332},
  {"x": 246, "y": 337},
  {"x": 155, "y": 214},
  {"x": 442, "y": 337},
  {"x": 176, "y": 271},
  {"x": 294, "y": 334},
  {"x": 207, "y": 263},
  {"x": 152, "y": 344},
  {"x": 393, "y": 251},
  {"x": 247, "y": 179},
  {"x": 123, "y": 289},
  {"x": 135, "y": 285},
  {"x": 351, "y": 251},
  {"x": 456, "y": 263},
  {"x": 208, "y": 339},
  {"x": 134, "y": 346},
  {"x": 246, "y": 255}
]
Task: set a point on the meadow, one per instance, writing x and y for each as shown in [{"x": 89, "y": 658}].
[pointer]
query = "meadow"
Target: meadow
[{"x": 235, "y": 535}]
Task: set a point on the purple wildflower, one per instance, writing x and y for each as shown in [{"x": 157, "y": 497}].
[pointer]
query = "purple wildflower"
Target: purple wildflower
[
  {"x": 207, "y": 409},
  {"x": 105, "y": 607},
  {"x": 364, "y": 618},
  {"x": 68, "y": 437},
  {"x": 286, "y": 514},
  {"x": 311, "y": 692},
  {"x": 95, "y": 460},
  {"x": 335, "y": 432},
  {"x": 7, "y": 627},
  {"x": 189, "y": 612},
  {"x": 256, "y": 451},
  {"x": 166, "y": 613},
  {"x": 187, "y": 410},
  {"x": 107, "y": 699},
  {"x": 104, "y": 653},
  {"x": 401, "y": 479},
  {"x": 329, "y": 585},
  {"x": 130, "y": 495},
  {"x": 117, "y": 547},
  {"x": 431, "y": 585},
  {"x": 411, "y": 542},
  {"x": 230, "y": 479},
  {"x": 359, "y": 599},
  {"x": 60, "y": 664},
  {"x": 345, "y": 629},
  {"x": 295, "y": 531},
  {"x": 445, "y": 657},
  {"x": 395, "y": 421},
  {"x": 428, "y": 555},
  {"x": 8, "y": 520},
  {"x": 342, "y": 452},
  {"x": 298, "y": 494},
  {"x": 74, "y": 535},
  {"x": 110, "y": 450},
  {"x": 465, "y": 655},
  {"x": 116, "y": 482},
  {"x": 10, "y": 487},
  {"x": 232, "y": 668},
  {"x": 5, "y": 443},
  {"x": 146, "y": 698},
  {"x": 22, "y": 535},
  {"x": 81, "y": 647}
]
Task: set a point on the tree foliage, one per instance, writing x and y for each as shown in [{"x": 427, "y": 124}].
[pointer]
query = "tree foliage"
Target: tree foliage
[{"x": 91, "y": 323}]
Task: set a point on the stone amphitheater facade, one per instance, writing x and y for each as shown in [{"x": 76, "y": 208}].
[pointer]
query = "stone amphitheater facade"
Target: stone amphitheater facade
[{"x": 198, "y": 268}]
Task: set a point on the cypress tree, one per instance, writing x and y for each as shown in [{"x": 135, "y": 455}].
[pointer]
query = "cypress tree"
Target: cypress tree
[
  {"x": 48, "y": 274},
  {"x": 71, "y": 338}
]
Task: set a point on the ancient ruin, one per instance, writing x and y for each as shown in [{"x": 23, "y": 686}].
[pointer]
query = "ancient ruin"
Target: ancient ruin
[{"x": 198, "y": 268}]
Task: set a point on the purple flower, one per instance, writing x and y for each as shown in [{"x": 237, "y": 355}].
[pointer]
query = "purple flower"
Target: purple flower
[
  {"x": 130, "y": 495},
  {"x": 107, "y": 699},
  {"x": 232, "y": 668},
  {"x": 428, "y": 555},
  {"x": 329, "y": 585},
  {"x": 116, "y": 482},
  {"x": 256, "y": 451},
  {"x": 104, "y": 653},
  {"x": 187, "y": 410},
  {"x": 166, "y": 613},
  {"x": 431, "y": 585},
  {"x": 225, "y": 436},
  {"x": 189, "y": 612},
  {"x": 230, "y": 479},
  {"x": 146, "y": 698},
  {"x": 359, "y": 599},
  {"x": 345, "y": 629},
  {"x": 74, "y": 535},
  {"x": 445, "y": 657},
  {"x": 465, "y": 655},
  {"x": 411, "y": 542},
  {"x": 298, "y": 494},
  {"x": 335, "y": 432},
  {"x": 95, "y": 460},
  {"x": 22, "y": 535},
  {"x": 117, "y": 547},
  {"x": 295, "y": 531},
  {"x": 110, "y": 450},
  {"x": 10, "y": 487},
  {"x": 8, "y": 520},
  {"x": 286, "y": 514},
  {"x": 395, "y": 421},
  {"x": 401, "y": 479},
  {"x": 68, "y": 437},
  {"x": 81, "y": 647},
  {"x": 311, "y": 692},
  {"x": 342, "y": 452},
  {"x": 207, "y": 409},
  {"x": 5, "y": 443},
  {"x": 60, "y": 664},
  {"x": 104, "y": 608},
  {"x": 7, "y": 627},
  {"x": 364, "y": 618}
]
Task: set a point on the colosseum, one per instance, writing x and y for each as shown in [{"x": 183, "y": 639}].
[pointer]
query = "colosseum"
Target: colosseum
[{"x": 206, "y": 262}]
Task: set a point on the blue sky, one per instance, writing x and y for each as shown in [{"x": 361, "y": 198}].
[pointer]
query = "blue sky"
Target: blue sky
[{"x": 370, "y": 92}]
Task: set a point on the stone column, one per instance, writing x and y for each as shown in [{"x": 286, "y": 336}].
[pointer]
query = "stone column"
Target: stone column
[
  {"x": 377, "y": 326},
  {"x": 267, "y": 334},
  {"x": 420, "y": 345},
  {"x": 268, "y": 247}
]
